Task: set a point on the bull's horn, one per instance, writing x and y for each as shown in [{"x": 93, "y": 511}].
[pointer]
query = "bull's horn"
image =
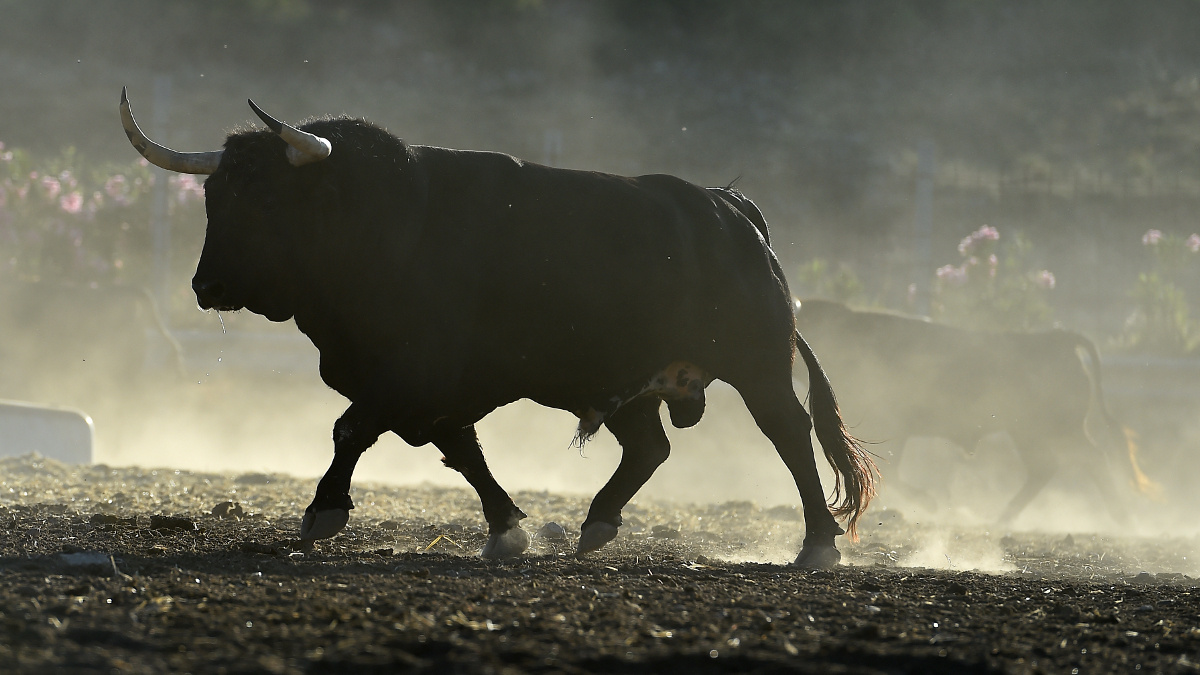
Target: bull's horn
[
  {"x": 183, "y": 162},
  {"x": 303, "y": 147}
]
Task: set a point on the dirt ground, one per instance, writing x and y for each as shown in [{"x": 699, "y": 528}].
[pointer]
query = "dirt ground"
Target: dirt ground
[{"x": 107, "y": 570}]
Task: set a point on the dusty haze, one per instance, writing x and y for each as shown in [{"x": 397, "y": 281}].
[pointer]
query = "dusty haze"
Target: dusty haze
[{"x": 1071, "y": 123}]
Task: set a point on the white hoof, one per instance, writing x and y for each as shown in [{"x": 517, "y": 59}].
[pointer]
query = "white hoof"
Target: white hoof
[
  {"x": 323, "y": 524},
  {"x": 594, "y": 536},
  {"x": 818, "y": 557},
  {"x": 507, "y": 544}
]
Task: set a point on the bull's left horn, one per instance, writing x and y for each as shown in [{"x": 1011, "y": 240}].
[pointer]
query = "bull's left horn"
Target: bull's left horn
[
  {"x": 160, "y": 156},
  {"x": 303, "y": 147}
]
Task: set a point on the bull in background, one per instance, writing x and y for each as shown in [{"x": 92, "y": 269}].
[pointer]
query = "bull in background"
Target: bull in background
[
  {"x": 439, "y": 285},
  {"x": 905, "y": 377}
]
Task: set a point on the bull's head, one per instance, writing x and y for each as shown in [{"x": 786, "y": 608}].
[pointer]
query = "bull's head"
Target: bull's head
[{"x": 252, "y": 198}]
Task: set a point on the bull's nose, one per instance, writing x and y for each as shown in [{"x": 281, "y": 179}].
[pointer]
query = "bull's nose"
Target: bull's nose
[{"x": 208, "y": 293}]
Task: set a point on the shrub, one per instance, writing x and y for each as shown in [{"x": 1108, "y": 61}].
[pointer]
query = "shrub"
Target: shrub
[
  {"x": 994, "y": 287},
  {"x": 1161, "y": 322},
  {"x": 64, "y": 220}
]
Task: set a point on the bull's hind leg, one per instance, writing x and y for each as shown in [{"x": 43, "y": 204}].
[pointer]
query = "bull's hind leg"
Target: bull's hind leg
[
  {"x": 463, "y": 454},
  {"x": 1041, "y": 464},
  {"x": 356, "y": 430},
  {"x": 644, "y": 446},
  {"x": 783, "y": 419}
]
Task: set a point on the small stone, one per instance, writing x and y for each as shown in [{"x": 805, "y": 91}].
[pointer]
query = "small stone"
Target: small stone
[
  {"x": 229, "y": 510},
  {"x": 390, "y": 525},
  {"x": 956, "y": 588},
  {"x": 551, "y": 531}
]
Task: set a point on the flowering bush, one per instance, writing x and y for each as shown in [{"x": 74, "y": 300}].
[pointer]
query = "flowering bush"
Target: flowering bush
[
  {"x": 1160, "y": 322},
  {"x": 63, "y": 220},
  {"x": 993, "y": 287}
]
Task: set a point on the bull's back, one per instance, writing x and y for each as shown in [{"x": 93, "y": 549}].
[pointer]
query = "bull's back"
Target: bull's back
[
  {"x": 900, "y": 377},
  {"x": 583, "y": 267}
]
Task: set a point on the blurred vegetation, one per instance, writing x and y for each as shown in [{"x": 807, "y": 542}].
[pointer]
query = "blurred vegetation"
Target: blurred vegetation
[
  {"x": 1161, "y": 322},
  {"x": 1074, "y": 124},
  {"x": 995, "y": 286},
  {"x": 66, "y": 220}
]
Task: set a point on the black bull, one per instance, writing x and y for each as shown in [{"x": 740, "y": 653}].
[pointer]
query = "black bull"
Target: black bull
[
  {"x": 903, "y": 377},
  {"x": 439, "y": 285}
]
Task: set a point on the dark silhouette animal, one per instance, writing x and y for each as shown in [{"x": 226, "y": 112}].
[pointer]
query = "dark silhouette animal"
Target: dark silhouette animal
[
  {"x": 904, "y": 377},
  {"x": 440, "y": 284}
]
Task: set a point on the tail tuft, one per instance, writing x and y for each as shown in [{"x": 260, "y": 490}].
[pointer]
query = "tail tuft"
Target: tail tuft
[{"x": 1143, "y": 483}]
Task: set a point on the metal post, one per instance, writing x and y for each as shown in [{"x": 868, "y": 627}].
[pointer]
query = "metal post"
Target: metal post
[
  {"x": 160, "y": 225},
  {"x": 923, "y": 227}
]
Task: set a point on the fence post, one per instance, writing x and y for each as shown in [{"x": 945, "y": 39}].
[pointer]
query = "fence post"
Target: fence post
[
  {"x": 160, "y": 225},
  {"x": 923, "y": 227}
]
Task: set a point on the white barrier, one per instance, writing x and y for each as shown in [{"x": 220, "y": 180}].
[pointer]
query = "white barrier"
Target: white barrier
[{"x": 58, "y": 433}]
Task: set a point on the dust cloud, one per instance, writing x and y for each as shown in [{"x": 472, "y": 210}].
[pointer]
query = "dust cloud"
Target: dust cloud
[{"x": 1071, "y": 134}]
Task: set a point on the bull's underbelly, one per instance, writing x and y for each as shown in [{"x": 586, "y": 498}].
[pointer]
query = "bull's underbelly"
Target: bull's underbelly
[{"x": 681, "y": 385}]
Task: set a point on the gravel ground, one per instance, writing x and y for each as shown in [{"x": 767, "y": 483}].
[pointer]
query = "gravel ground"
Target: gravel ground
[{"x": 128, "y": 570}]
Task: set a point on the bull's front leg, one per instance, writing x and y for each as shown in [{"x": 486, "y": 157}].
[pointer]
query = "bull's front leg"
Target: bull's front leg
[
  {"x": 463, "y": 454},
  {"x": 356, "y": 430}
]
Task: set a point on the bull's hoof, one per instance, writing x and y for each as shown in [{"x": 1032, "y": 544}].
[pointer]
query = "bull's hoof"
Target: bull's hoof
[
  {"x": 507, "y": 544},
  {"x": 594, "y": 536},
  {"x": 818, "y": 557},
  {"x": 323, "y": 524}
]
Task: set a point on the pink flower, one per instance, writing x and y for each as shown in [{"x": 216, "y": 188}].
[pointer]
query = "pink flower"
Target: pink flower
[
  {"x": 72, "y": 202},
  {"x": 115, "y": 185},
  {"x": 952, "y": 274},
  {"x": 1044, "y": 279},
  {"x": 51, "y": 187},
  {"x": 1151, "y": 237},
  {"x": 1193, "y": 243},
  {"x": 187, "y": 188},
  {"x": 1, "y": 145},
  {"x": 985, "y": 233},
  {"x": 993, "y": 262}
]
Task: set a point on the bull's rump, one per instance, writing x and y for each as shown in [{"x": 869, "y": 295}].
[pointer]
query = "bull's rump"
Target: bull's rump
[
  {"x": 899, "y": 377},
  {"x": 585, "y": 281}
]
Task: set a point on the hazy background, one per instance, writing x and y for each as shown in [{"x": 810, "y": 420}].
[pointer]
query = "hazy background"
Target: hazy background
[{"x": 1074, "y": 123}]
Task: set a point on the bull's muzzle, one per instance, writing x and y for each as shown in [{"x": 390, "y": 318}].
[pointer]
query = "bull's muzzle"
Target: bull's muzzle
[{"x": 209, "y": 294}]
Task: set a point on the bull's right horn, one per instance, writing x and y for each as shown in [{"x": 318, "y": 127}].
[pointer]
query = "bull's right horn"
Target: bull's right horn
[
  {"x": 166, "y": 158},
  {"x": 303, "y": 147}
]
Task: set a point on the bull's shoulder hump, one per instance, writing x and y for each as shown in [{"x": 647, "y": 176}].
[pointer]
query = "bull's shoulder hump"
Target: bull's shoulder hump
[{"x": 479, "y": 158}]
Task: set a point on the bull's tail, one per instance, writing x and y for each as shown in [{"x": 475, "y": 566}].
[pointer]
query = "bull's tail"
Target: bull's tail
[
  {"x": 1141, "y": 481},
  {"x": 853, "y": 469}
]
